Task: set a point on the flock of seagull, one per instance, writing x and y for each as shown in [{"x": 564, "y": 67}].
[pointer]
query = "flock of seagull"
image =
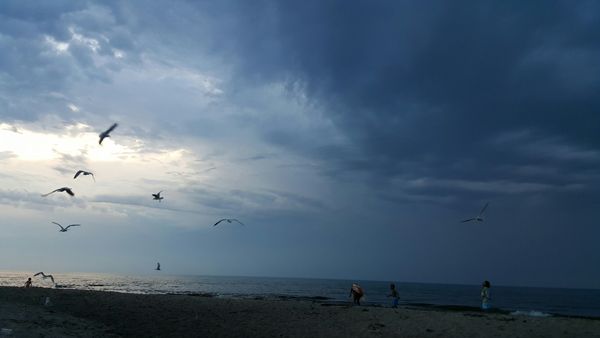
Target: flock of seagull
[
  {"x": 159, "y": 198},
  {"x": 69, "y": 191}
]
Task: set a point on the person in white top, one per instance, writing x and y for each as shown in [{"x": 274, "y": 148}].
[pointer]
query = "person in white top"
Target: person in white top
[{"x": 485, "y": 295}]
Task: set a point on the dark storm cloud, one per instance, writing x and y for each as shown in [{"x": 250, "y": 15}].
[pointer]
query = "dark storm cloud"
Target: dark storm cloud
[
  {"x": 256, "y": 202},
  {"x": 411, "y": 85},
  {"x": 421, "y": 89},
  {"x": 299, "y": 201}
]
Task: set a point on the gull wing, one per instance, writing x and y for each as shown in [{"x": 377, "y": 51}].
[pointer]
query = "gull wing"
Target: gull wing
[
  {"x": 221, "y": 220},
  {"x": 93, "y": 177},
  {"x": 115, "y": 125},
  {"x": 238, "y": 221},
  {"x": 72, "y": 225},
  {"x": 51, "y": 278},
  {"x": 104, "y": 134},
  {"x": 50, "y": 193},
  {"x": 77, "y": 174},
  {"x": 59, "y": 225},
  {"x": 483, "y": 209},
  {"x": 69, "y": 191},
  {"x": 468, "y": 220},
  {"x": 39, "y": 273}
]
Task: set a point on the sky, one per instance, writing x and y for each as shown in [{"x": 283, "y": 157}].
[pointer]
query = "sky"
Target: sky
[{"x": 350, "y": 137}]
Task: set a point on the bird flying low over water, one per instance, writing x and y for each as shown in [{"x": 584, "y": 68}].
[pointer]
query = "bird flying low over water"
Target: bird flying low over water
[
  {"x": 44, "y": 276},
  {"x": 64, "y": 229},
  {"x": 157, "y": 197},
  {"x": 157, "y": 266},
  {"x": 478, "y": 218},
  {"x": 228, "y": 220},
  {"x": 84, "y": 173},
  {"x": 63, "y": 189},
  {"x": 107, "y": 132}
]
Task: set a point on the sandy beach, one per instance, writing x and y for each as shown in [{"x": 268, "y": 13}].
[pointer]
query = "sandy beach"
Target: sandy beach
[{"x": 75, "y": 313}]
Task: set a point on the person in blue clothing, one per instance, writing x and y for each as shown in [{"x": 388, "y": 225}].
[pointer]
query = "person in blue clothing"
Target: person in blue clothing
[
  {"x": 485, "y": 295},
  {"x": 394, "y": 294}
]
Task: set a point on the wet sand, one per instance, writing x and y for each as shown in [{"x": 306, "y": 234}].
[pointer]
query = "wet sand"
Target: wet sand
[{"x": 75, "y": 313}]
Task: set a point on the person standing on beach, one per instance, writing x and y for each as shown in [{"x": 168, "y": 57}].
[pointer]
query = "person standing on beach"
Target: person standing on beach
[
  {"x": 356, "y": 292},
  {"x": 395, "y": 296},
  {"x": 485, "y": 295},
  {"x": 28, "y": 283}
]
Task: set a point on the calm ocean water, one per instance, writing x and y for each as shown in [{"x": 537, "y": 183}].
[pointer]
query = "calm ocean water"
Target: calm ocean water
[{"x": 528, "y": 300}]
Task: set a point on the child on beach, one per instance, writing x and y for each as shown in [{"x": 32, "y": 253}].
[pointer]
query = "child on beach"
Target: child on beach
[
  {"x": 395, "y": 296},
  {"x": 485, "y": 295},
  {"x": 28, "y": 283},
  {"x": 356, "y": 292}
]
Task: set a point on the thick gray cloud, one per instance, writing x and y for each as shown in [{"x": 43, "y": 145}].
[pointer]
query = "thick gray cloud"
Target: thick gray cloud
[
  {"x": 433, "y": 82},
  {"x": 49, "y": 48},
  {"x": 384, "y": 118}
]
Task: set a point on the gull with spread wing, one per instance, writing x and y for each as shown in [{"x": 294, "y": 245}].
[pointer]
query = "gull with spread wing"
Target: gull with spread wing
[
  {"x": 63, "y": 189},
  {"x": 228, "y": 220},
  {"x": 157, "y": 197},
  {"x": 84, "y": 173},
  {"x": 107, "y": 132},
  {"x": 478, "y": 218},
  {"x": 44, "y": 276},
  {"x": 64, "y": 229}
]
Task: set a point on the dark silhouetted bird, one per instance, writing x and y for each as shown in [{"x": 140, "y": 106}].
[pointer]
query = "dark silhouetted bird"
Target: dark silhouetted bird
[
  {"x": 478, "y": 218},
  {"x": 63, "y": 189},
  {"x": 67, "y": 228},
  {"x": 44, "y": 276},
  {"x": 84, "y": 173},
  {"x": 157, "y": 197},
  {"x": 228, "y": 220},
  {"x": 106, "y": 133}
]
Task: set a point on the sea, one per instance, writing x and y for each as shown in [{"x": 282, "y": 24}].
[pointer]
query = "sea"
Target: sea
[{"x": 525, "y": 301}]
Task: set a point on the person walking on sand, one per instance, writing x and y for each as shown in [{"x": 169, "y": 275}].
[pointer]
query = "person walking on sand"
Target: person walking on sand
[
  {"x": 395, "y": 296},
  {"x": 356, "y": 292},
  {"x": 485, "y": 295},
  {"x": 28, "y": 283}
]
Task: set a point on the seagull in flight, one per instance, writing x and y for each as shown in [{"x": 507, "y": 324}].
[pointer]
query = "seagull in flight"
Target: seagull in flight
[
  {"x": 478, "y": 218},
  {"x": 107, "y": 132},
  {"x": 228, "y": 220},
  {"x": 157, "y": 197},
  {"x": 84, "y": 173},
  {"x": 157, "y": 266},
  {"x": 63, "y": 229},
  {"x": 63, "y": 189},
  {"x": 44, "y": 276}
]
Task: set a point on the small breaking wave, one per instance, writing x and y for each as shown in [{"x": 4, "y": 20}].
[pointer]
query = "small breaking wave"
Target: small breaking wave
[{"x": 531, "y": 313}]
